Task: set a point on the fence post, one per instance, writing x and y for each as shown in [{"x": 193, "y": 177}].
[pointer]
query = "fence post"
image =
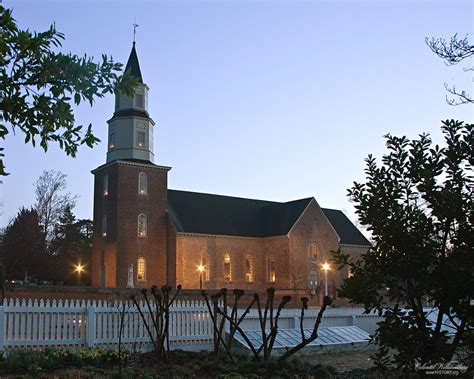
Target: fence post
[
  {"x": 2, "y": 328},
  {"x": 353, "y": 321},
  {"x": 91, "y": 322},
  {"x": 296, "y": 319}
]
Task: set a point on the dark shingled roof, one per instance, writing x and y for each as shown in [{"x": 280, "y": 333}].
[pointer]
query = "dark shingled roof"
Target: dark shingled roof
[
  {"x": 133, "y": 65},
  {"x": 203, "y": 213},
  {"x": 347, "y": 231}
]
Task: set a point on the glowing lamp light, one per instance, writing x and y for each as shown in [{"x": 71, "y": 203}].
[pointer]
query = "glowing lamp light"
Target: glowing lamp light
[
  {"x": 79, "y": 268},
  {"x": 200, "y": 268},
  {"x": 326, "y": 267}
]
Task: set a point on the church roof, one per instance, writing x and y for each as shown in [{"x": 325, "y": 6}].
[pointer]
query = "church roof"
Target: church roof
[
  {"x": 203, "y": 213},
  {"x": 133, "y": 65},
  {"x": 347, "y": 231}
]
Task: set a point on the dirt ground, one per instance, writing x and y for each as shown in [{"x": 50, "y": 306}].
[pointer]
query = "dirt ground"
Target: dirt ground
[{"x": 344, "y": 361}]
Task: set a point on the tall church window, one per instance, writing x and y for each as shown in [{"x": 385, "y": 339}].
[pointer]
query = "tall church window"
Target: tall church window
[
  {"x": 140, "y": 139},
  {"x": 207, "y": 267},
  {"x": 139, "y": 100},
  {"x": 141, "y": 268},
  {"x": 105, "y": 185},
  {"x": 314, "y": 252},
  {"x": 271, "y": 272},
  {"x": 227, "y": 268},
  {"x": 104, "y": 226},
  {"x": 142, "y": 183},
  {"x": 142, "y": 225},
  {"x": 248, "y": 269}
]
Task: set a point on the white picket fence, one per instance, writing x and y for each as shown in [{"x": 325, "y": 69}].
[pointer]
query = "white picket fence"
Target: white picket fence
[
  {"x": 290, "y": 319},
  {"x": 78, "y": 323}
]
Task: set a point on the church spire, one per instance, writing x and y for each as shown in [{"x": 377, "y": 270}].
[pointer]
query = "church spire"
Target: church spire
[
  {"x": 133, "y": 65},
  {"x": 131, "y": 128}
]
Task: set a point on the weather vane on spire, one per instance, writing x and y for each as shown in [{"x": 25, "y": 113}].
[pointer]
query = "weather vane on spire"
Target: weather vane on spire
[{"x": 135, "y": 26}]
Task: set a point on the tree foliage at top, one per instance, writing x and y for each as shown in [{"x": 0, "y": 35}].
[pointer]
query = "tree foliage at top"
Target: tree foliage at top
[
  {"x": 452, "y": 53},
  {"x": 417, "y": 204},
  {"x": 39, "y": 86}
]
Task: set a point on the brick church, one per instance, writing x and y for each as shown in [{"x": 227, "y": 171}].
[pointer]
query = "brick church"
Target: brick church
[{"x": 146, "y": 233}]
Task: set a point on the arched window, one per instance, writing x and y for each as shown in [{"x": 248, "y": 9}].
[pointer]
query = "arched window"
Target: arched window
[
  {"x": 105, "y": 185},
  {"x": 227, "y": 268},
  {"x": 271, "y": 273},
  {"x": 104, "y": 226},
  {"x": 207, "y": 267},
  {"x": 141, "y": 268},
  {"x": 142, "y": 225},
  {"x": 313, "y": 278},
  {"x": 314, "y": 252},
  {"x": 248, "y": 269},
  {"x": 142, "y": 183}
]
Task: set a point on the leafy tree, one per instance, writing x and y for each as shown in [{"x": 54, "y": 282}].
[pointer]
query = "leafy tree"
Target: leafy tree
[
  {"x": 71, "y": 245},
  {"x": 23, "y": 246},
  {"x": 51, "y": 201},
  {"x": 452, "y": 53},
  {"x": 417, "y": 204},
  {"x": 39, "y": 85}
]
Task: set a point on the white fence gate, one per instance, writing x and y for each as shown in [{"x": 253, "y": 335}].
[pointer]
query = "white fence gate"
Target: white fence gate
[{"x": 78, "y": 323}]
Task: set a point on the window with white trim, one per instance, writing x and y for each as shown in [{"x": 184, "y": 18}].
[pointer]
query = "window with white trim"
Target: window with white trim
[
  {"x": 111, "y": 141},
  {"x": 139, "y": 100},
  {"x": 314, "y": 252},
  {"x": 142, "y": 183},
  {"x": 141, "y": 139},
  {"x": 248, "y": 269},
  {"x": 104, "y": 226},
  {"x": 105, "y": 185},
  {"x": 227, "y": 268},
  {"x": 142, "y": 225},
  {"x": 141, "y": 269}
]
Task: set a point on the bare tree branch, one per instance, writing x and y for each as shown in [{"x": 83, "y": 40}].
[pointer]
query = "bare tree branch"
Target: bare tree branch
[{"x": 453, "y": 52}]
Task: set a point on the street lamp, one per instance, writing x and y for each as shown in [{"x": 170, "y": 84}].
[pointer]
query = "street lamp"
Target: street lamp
[
  {"x": 326, "y": 268},
  {"x": 201, "y": 270},
  {"x": 79, "y": 268}
]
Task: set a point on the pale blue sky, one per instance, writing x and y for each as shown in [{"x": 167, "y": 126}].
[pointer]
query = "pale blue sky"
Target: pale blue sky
[{"x": 272, "y": 100}]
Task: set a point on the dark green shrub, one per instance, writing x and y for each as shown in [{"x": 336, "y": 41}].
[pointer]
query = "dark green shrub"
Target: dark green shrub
[{"x": 24, "y": 361}]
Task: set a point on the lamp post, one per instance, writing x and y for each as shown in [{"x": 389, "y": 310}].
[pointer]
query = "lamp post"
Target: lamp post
[
  {"x": 326, "y": 268},
  {"x": 79, "y": 269},
  {"x": 201, "y": 270}
]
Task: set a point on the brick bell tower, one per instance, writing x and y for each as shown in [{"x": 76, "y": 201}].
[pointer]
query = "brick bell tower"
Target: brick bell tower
[{"x": 130, "y": 198}]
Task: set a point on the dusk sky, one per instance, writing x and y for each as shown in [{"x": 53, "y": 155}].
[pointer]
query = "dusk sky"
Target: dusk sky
[{"x": 275, "y": 100}]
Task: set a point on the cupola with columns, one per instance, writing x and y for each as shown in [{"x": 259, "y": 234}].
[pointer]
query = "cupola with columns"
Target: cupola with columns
[{"x": 131, "y": 127}]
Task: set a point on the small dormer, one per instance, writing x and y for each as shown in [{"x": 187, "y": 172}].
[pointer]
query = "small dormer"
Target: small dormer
[{"x": 131, "y": 128}]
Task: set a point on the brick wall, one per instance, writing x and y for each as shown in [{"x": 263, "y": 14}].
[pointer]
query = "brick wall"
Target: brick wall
[
  {"x": 190, "y": 249},
  {"x": 312, "y": 227},
  {"x": 122, "y": 246}
]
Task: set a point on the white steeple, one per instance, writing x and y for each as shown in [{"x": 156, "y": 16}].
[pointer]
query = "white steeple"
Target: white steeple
[{"x": 131, "y": 128}]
